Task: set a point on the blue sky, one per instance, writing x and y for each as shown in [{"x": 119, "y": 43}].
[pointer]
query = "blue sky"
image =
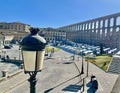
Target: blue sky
[{"x": 55, "y": 13}]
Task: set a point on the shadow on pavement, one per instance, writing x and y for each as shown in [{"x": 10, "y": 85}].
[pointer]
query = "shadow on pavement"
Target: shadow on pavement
[
  {"x": 48, "y": 90},
  {"x": 67, "y": 62},
  {"x": 73, "y": 88}
]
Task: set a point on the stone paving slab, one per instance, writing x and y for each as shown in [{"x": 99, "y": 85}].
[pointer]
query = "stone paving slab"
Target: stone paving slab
[
  {"x": 116, "y": 88},
  {"x": 12, "y": 82}
]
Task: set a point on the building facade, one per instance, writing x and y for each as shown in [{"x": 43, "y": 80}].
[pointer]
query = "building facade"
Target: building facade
[
  {"x": 17, "y": 26},
  {"x": 16, "y": 36},
  {"x": 53, "y": 35},
  {"x": 103, "y": 30},
  {"x": 15, "y": 30}
]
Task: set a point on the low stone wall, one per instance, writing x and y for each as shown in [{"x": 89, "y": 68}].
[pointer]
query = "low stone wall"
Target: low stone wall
[{"x": 6, "y": 75}]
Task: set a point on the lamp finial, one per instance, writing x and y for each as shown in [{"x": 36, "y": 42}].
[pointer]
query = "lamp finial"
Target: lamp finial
[{"x": 34, "y": 31}]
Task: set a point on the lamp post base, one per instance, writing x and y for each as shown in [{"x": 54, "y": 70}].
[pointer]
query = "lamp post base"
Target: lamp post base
[
  {"x": 82, "y": 73},
  {"x": 82, "y": 69},
  {"x": 32, "y": 81}
]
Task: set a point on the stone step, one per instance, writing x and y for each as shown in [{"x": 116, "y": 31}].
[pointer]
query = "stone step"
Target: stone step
[{"x": 115, "y": 65}]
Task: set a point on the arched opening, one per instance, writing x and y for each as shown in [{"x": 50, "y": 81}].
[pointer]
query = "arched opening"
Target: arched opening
[
  {"x": 89, "y": 26},
  {"x": 97, "y": 24},
  {"x": 106, "y": 22},
  {"x": 117, "y": 29},
  {"x": 111, "y": 22},
  {"x": 101, "y": 23},
  {"x": 93, "y": 25},
  {"x": 118, "y": 21},
  {"x": 105, "y": 32}
]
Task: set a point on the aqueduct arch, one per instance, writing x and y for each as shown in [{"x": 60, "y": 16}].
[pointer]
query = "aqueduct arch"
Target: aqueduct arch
[{"x": 103, "y": 30}]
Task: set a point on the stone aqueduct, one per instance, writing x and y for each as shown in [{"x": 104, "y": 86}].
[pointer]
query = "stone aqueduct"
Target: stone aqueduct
[{"x": 103, "y": 30}]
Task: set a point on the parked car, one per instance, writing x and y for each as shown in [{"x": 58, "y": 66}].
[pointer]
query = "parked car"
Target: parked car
[{"x": 7, "y": 47}]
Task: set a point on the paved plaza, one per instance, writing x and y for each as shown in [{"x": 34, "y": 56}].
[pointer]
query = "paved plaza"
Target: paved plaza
[
  {"x": 60, "y": 75},
  {"x": 14, "y": 54}
]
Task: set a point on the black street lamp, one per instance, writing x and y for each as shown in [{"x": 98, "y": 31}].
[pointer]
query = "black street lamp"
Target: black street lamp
[
  {"x": 82, "y": 68},
  {"x": 33, "y": 49}
]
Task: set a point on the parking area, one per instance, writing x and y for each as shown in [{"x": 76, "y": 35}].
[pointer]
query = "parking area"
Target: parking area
[{"x": 88, "y": 49}]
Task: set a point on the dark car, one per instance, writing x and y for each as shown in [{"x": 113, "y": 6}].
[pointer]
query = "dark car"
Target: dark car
[{"x": 7, "y": 47}]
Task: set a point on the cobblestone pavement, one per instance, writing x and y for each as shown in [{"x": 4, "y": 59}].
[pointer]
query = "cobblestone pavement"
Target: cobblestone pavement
[
  {"x": 12, "y": 82},
  {"x": 116, "y": 88},
  {"x": 60, "y": 72}
]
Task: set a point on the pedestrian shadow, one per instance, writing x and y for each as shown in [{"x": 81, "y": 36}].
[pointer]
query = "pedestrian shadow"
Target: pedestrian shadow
[
  {"x": 67, "y": 62},
  {"x": 73, "y": 88},
  {"x": 50, "y": 89}
]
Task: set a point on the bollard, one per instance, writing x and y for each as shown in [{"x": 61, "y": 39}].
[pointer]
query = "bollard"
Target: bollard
[
  {"x": 21, "y": 66},
  {"x": 15, "y": 58},
  {"x": 5, "y": 73}
]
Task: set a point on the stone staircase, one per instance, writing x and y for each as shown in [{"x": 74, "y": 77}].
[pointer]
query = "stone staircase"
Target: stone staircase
[{"x": 114, "y": 66}]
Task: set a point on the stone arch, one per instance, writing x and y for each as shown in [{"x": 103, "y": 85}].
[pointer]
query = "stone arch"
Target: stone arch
[
  {"x": 93, "y": 25},
  {"x": 118, "y": 21},
  {"x": 101, "y": 23},
  {"x": 106, "y": 32},
  {"x": 106, "y": 22},
  {"x": 86, "y": 26},
  {"x": 97, "y": 24},
  {"x": 111, "y": 22},
  {"x": 80, "y": 26},
  {"x": 83, "y": 26},
  {"x": 111, "y": 29},
  {"x": 96, "y": 31},
  {"x": 89, "y": 27},
  {"x": 117, "y": 29},
  {"x": 74, "y": 28},
  {"x": 101, "y": 33}
]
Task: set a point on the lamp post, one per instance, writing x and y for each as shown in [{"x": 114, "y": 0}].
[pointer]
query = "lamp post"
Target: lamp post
[
  {"x": 89, "y": 58},
  {"x": 19, "y": 52},
  {"x": 82, "y": 68},
  {"x": 33, "y": 49}
]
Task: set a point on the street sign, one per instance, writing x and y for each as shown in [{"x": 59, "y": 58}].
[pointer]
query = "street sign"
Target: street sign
[{"x": 89, "y": 60}]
